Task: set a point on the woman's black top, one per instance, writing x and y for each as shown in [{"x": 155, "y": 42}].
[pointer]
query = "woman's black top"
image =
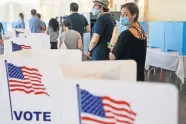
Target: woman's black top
[{"x": 128, "y": 47}]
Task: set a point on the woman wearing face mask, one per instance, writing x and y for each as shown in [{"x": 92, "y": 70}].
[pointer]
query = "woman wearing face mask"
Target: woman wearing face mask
[
  {"x": 102, "y": 31},
  {"x": 131, "y": 43}
]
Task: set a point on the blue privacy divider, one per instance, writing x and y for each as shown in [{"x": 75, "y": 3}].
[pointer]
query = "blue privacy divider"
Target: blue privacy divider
[
  {"x": 144, "y": 26},
  {"x": 4, "y": 26},
  {"x": 157, "y": 35},
  {"x": 13, "y": 24},
  {"x": 175, "y": 37}
]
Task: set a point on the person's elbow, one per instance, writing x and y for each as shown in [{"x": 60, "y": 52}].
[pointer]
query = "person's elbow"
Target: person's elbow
[{"x": 95, "y": 38}]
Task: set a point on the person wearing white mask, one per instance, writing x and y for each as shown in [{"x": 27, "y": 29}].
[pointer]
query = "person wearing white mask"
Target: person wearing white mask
[
  {"x": 102, "y": 31},
  {"x": 131, "y": 43}
]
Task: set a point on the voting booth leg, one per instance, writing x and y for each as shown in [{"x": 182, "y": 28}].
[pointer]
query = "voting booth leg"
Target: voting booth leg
[
  {"x": 9, "y": 90},
  {"x": 79, "y": 102}
]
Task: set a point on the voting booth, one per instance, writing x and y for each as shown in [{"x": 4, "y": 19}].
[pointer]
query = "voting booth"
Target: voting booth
[
  {"x": 108, "y": 70},
  {"x": 28, "y": 92},
  {"x": 175, "y": 38},
  {"x": 157, "y": 35},
  {"x": 98, "y": 101}
]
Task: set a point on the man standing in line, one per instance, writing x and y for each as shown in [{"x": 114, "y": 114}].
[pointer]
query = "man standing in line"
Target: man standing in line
[
  {"x": 35, "y": 23},
  {"x": 79, "y": 22}
]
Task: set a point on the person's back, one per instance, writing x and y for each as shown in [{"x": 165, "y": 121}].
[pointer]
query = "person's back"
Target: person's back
[
  {"x": 35, "y": 23},
  {"x": 79, "y": 22},
  {"x": 71, "y": 39}
]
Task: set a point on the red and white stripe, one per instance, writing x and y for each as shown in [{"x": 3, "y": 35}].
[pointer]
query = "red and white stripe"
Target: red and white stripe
[
  {"x": 117, "y": 112},
  {"x": 26, "y": 47},
  {"x": 31, "y": 83}
]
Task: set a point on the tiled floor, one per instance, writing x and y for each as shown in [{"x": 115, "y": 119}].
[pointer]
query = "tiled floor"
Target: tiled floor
[{"x": 165, "y": 76}]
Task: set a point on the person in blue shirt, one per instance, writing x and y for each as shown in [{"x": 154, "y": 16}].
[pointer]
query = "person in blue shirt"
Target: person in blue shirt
[
  {"x": 44, "y": 25},
  {"x": 35, "y": 24},
  {"x": 102, "y": 31},
  {"x": 20, "y": 23}
]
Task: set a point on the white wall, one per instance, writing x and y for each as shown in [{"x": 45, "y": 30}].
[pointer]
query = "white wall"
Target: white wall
[{"x": 167, "y": 10}]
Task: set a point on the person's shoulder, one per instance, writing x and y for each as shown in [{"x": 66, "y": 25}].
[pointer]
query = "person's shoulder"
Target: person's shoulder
[{"x": 126, "y": 34}]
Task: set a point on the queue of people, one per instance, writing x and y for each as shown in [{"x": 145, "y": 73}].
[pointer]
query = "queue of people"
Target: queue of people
[{"x": 111, "y": 40}]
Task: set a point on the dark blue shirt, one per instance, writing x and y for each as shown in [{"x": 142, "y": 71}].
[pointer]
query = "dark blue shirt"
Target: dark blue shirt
[
  {"x": 104, "y": 26},
  {"x": 78, "y": 21}
]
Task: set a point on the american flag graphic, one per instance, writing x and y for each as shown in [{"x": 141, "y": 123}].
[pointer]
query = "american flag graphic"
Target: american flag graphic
[
  {"x": 24, "y": 79},
  {"x": 104, "y": 110},
  {"x": 17, "y": 47}
]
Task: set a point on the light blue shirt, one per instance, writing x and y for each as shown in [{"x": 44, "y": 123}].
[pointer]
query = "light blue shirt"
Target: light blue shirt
[
  {"x": 35, "y": 25},
  {"x": 20, "y": 24}
]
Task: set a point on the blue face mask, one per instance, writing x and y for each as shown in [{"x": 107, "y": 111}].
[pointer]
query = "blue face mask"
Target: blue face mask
[
  {"x": 124, "y": 21},
  {"x": 95, "y": 11},
  {"x": 121, "y": 27}
]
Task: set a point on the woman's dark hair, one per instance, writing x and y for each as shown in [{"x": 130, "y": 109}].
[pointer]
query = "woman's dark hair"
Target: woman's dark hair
[
  {"x": 21, "y": 15},
  {"x": 54, "y": 24},
  {"x": 133, "y": 8},
  {"x": 104, "y": 9},
  {"x": 39, "y": 15},
  {"x": 67, "y": 23}
]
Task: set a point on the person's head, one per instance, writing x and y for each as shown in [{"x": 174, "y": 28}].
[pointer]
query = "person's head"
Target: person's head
[
  {"x": 21, "y": 16},
  {"x": 38, "y": 15},
  {"x": 131, "y": 11},
  {"x": 54, "y": 24},
  {"x": 66, "y": 25},
  {"x": 74, "y": 7},
  {"x": 100, "y": 6},
  {"x": 33, "y": 12}
]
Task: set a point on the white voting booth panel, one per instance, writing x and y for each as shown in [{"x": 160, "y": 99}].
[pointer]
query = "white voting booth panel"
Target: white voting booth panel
[
  {"x": 110, "y": 70},
  {"x": 56, "y": 56},
  {"x": 112, "y": 101},
  {"x": 61, "y": 56},
  {"x": 29, "y": 94},
  {"x": 41, "y": 37}
]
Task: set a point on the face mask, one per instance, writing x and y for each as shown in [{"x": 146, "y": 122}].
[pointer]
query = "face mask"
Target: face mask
[
  {"x": 124, "y": 21},
  {"x": 95, "y": 11},
  {"x": 121, "y": 27}
]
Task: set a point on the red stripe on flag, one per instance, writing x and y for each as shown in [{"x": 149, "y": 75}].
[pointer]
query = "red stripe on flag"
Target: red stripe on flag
[
  {"x": 95, "y": 120},
  {"x": 120, "y": 109},
  {"x": 115, "y": 101},
  {"x": 19, "y": 89},
  {"x": 120, "y": 115},
  {"x": 24, "y": 82}
]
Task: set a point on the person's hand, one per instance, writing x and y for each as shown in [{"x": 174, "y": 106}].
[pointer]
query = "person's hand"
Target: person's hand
[
  {"x": 88, "y": 54},
  {"x": 1, "y": 41}
]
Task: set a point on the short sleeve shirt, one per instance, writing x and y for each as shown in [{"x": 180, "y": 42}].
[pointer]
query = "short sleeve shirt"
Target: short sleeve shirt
[
  {"x": 20, "y": 24},
  {"x": 70, "y": 38},
  {"x": 104, "y": 27},
  {"x": 35, "y": 25},
  {"x": 79, "y": 22}
]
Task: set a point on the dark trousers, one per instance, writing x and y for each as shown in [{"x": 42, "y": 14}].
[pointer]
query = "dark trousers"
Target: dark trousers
[{"x": 53, "y": 45}]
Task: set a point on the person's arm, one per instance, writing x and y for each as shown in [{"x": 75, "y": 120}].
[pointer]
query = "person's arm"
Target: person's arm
[
  {"x": 121, "y": 45},
  {"x": 87, "y": 27},
  {"x": 41, "y": 25},
  {"x": 115, "y": 35},
  {"x": 60, "y": 40},
  {"x": 47, "y": 31},
  {"x": 80, "y": 42},
  {"x": 23, "y": 25},
  {"x": 2, "y": 28},
  {"x": 99, "y": 28}
]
